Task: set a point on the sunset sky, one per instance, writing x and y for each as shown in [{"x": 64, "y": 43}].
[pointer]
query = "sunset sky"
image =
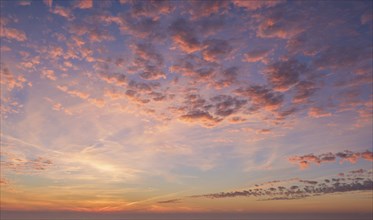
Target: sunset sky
[{"x": 186, "y": 107}]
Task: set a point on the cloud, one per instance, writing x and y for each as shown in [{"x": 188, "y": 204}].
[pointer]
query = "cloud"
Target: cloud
[
  {"x": 255, "y": 5},
  {"x": 210, "y": 25},
  {"x": 367, "y": 17},
  {"x": 263, "y": 131},
  {"x": 97, "y": 102},
  {"x": 114, "y": 78},
  {"x": 64, "y": 12},
  {"x": 76, "y": 93},
  {"x": 318, "y": 112},
  {"x": 142, "y": 28},
  {"x": 4, "y": 182},
  {"x": 198, "y": 69},
  {"x": 305, "y": 160},
  {"x": 207, "y": 112},
  {"x": 171, "y": 201},
  {"x": 22, "y": 164},
  {"x": 202, "y": 117},
  {"x": 94, "y": 32},
  {"x": 226, "y": 105},
  {"x": 58, "y": 106},
  {"x": 49, "y": 74},
  {"x": 11, "y": 81},
  {"x": 312, "y": 182},
  {"x": 309, "y": 189},
  {"x": 304, "y": 91},
  {"x": 4, "y": 49},
  {"x": 344, "y": 56},
  {"x": 198, "y": 9},
  {"x": 352, "y": 157},
  {"x": 12, "y": 33},
  {"x": 262, "y": 97},
  {"x": 225, "y": 78},
  {"x": 24, "y": 3},
  {"x": 48, "y": 3},
  {"x": 216, "y": 49},
  {"x": 281, "y": 22},
  {"x": 184, "y": 35},
  {"x": 284, "y": 74},
  {"x": 148, "y": 63},
  {"x": 257, "y": 55},
  {"x": 367, "y": 155},
  {"x": 152, "y": 8},
  {"x": 83, "y": 4}
]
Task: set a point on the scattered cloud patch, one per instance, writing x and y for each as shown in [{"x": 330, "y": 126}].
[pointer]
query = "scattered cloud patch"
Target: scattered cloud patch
[{"x": 352, "y": 157}]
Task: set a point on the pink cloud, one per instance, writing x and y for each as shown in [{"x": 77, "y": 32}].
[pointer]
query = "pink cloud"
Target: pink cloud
[
  {"x": 75, "y": 93},
  {"x": 83, "y": 4},
  {"x": 12, "y": 33},
  {"x": 49, "y": 74},
  {"x": 318, "y": 112},
  {"x": 254, "y": 5},
  {"x": 64, "y": 12},
  {"x": 48, "y": 3},
  {"x": 24, "y": 3},
  {"x": 184, "y": 35},
  {"x": 11, "y": 81},
  {"x": 258, "y": 55}
]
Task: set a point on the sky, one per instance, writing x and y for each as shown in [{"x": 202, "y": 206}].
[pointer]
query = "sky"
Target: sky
[{"x": 186, "y": 107}]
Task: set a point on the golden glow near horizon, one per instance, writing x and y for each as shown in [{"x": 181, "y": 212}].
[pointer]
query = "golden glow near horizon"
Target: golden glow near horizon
[{"x": 186, "y": 106}]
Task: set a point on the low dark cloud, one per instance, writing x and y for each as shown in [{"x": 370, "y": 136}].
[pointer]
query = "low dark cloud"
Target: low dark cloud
[{"x": 307, "y": 188}]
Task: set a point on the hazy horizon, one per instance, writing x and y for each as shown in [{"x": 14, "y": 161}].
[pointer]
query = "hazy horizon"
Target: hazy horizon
[{"x": 184, "y": 216}]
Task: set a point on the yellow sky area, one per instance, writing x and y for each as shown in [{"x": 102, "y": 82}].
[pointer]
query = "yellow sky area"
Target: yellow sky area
[{"x": 97, "y": 199}]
